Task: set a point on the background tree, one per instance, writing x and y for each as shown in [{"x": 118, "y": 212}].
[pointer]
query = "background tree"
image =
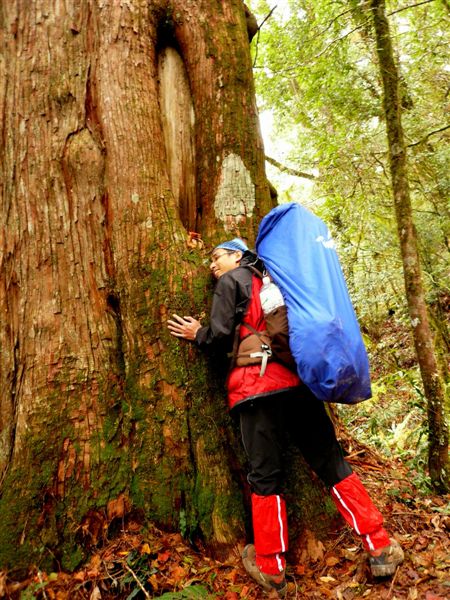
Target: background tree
[
  {"x": 326, "y": 96},
  {"x": 423, "y": 337}
]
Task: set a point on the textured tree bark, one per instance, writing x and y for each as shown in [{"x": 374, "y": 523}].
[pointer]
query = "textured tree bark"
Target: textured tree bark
[
  {"x": 125, "y": 126},
  {"x": 423, "y": 336}
]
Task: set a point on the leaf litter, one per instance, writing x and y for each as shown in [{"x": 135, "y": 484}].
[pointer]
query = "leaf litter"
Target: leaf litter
[{"x": 149, "y": 563}]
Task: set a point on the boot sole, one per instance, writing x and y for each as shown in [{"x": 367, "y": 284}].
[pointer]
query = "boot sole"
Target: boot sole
[{"x": 384, "y": 571}]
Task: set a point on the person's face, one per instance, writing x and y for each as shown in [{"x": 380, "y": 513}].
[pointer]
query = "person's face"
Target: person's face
[{"x": 224, "y": 260}]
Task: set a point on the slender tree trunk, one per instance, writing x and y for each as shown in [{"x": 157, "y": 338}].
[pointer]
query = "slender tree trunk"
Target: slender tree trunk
[
  {"x": 423, "y": 337},
  {"x": 126, "y": 126}
]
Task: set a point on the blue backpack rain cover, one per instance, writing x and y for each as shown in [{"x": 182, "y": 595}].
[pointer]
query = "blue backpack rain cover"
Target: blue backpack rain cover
[{"x": 324, "y": 335}]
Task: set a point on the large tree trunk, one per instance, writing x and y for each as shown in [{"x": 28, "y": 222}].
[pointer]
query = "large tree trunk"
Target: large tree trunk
[
  {"x": 423, "y": 337},
  {"x": 125, "y": 126}
]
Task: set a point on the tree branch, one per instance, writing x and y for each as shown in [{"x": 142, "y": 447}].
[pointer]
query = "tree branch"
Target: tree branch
[
  {"x": 268, "y": 16},
  {"x": 394, "y": 12},
  {"x": 338, "y": 39},
  {"x": 289, "y": 170},
  {"x": 146, "y": 594},
  {"x": 424, "y": 139},
  {"x": 259, "y": 30},
  {"x": 357, "y": 28}
]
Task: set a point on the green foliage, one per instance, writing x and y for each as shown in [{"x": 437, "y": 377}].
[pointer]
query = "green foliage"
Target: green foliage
[
  {"x": 394, "y": 421},
  {"x": 316, "y": 71},
  {"x": 135, "y": 578},
  {"x": 33, "y": 591}
]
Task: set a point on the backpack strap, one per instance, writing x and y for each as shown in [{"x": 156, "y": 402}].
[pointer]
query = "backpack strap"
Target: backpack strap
[
  {"x": 234, "y": 352},
  {"x": 263, "y": 353},
  {"x": 256, "y": 271},
  {"x": 251, "y": 328}
]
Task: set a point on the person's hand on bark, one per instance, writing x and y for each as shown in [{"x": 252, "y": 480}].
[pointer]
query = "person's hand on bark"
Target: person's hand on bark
[{"x": 183, "y": 327}]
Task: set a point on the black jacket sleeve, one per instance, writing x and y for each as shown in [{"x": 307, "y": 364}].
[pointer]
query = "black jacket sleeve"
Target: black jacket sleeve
[{"x": 229, "y": 304}]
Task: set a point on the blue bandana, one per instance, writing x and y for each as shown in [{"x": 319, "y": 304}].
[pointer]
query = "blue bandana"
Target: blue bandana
[{"x": 235, "y": 244}]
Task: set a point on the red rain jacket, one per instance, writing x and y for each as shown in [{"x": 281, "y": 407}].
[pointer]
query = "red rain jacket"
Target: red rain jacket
[{"x": 236, "y": 299}]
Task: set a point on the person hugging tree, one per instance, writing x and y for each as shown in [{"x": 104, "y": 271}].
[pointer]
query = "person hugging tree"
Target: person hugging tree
[{"x": 274, "y": 407}]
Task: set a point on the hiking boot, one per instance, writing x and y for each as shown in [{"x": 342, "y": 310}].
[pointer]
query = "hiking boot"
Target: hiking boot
[
  {"x": 386, "y": 563},
  {"x": 266, "y": 581}
]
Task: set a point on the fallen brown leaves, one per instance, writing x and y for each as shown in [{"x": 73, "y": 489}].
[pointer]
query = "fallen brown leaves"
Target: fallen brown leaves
[{"x": 154, "y": 562}]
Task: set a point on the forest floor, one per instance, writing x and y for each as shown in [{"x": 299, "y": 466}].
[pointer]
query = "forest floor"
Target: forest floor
[
  {"x": 156, "y": 564},
  {"x": 144, "y": 563}
]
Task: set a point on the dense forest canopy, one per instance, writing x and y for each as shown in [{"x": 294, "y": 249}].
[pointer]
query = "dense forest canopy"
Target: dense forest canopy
[
  {"x": 359, "y": 94},
  {"x": 316, "y": 71}
]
